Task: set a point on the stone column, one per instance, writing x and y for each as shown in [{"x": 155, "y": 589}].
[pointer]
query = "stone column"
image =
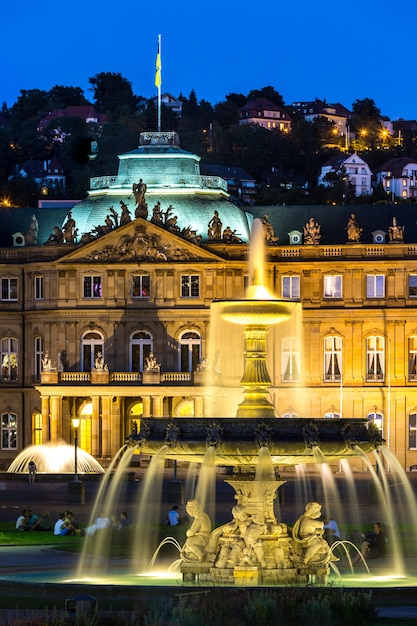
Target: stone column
[
  {"x": 95, "y": 427},
  {"x": 106, "y": 403},
  {"x": 198, "y": 406},
  {"x": 146, "y": 400},
  {"x": 45, "y": 419},
  {"x": 157, "y": 406},
  {"x": 56, "y": 418}
]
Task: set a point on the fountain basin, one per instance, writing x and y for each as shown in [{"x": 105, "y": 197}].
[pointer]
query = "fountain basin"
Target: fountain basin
[
  {"x": 238, "y": 440},
  {"x": 249, "y": 312}
]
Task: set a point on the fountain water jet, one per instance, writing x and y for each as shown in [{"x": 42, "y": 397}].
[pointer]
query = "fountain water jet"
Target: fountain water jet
[{"x": 55, "y": 458}]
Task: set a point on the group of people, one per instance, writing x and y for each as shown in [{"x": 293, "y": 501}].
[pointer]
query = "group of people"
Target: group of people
[
  {"x": 28, "y": 520},
  {"x": 108, "y": 522}
]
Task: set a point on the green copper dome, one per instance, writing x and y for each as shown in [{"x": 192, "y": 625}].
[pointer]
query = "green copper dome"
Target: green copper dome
[{"x": 172, "y": 178}]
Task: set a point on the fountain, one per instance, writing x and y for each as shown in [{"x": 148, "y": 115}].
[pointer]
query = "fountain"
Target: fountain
[
  {"x": 254, "y": 548},
  {"x": 54, "y": 458}
]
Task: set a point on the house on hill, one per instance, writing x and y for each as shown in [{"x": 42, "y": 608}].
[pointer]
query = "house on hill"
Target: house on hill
[
  {"x": 263, "y": 112},
  {"x": 85, "y": 112},
  {"x": 353, "y": 167},
  {"x": 398, "y": 177},
  {"x": 46, "y": 173}
]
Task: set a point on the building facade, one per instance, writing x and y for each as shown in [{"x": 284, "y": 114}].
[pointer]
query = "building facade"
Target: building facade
[{"x": 116, "y": 326}]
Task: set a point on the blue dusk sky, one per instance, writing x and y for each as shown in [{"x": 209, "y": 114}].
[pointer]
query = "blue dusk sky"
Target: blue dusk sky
[{"x": 304, "y": 49}]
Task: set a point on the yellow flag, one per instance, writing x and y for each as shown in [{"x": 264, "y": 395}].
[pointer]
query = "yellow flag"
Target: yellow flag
[{"x": 158, "y": 78}]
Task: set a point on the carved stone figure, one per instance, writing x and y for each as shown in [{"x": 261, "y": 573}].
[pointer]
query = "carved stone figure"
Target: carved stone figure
[
  {"x": 308, "y": 534},
  {"x": 198, "y": 534},
  {"x": 203, "y": 366},
  {"x": 171, "y": 220},
  {"x": 56, "y": 236},
  {"x": 139, "y": 190},
  {"x": 60, "y": 365},
  {"x": 395, "y": 232},
  {"x": 114, "y": 216},
  {"x": 69, "y": 230},
  {"x": 230, "y": 236},
  {"x": 125, "y": 216},
  {"x": 311, "y": 230},
  {"x": 353, "y": 230},
  {"x": 100, "y": 364},
  {"x": 46, "y": 363},
  {"x": 31, "y": 236},
  {"x": 151, "y": 364},
  {"x": 268, "y": 230},
  {"x": 157, "y": 215},
  {"x": 215, "y": 227}
]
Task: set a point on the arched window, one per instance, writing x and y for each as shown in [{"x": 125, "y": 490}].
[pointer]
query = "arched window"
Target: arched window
[
  {"x": 412, "y": 357},
  {"x": 189, "y": 351},
  {"x": 377, "y": 419},
  {"x": 9, "y": 354},
  {"x": 291, "y": 359},
  {"x": 8, "y": 431},
  {"x": 412, "y": 431},
  {"x": 332, "y": 415},
  {"x": 37, "y": 428},
  {"x": 38, "y": 350},
  {"x": 91, "y": 344},
  {"x": 375, "y": 358},
  {"x": 140, "y": 346},
  {"x": 332, "y": 358},
  {"x": 291, "y": 414}
]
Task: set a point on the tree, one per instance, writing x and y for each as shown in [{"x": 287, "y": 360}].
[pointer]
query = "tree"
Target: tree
[
  {"x": 60, "y": 97},
  {"x": 113, "y": 94},
  {"x": 32, "y": 103},
  {"x": 270, "y": 93}
]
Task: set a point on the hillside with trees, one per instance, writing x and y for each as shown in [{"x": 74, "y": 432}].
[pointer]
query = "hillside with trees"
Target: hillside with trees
[{"x": 272, "y": 157}]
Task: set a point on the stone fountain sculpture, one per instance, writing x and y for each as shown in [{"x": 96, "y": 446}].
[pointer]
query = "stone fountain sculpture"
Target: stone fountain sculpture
[{"x": 254, "y": 547}]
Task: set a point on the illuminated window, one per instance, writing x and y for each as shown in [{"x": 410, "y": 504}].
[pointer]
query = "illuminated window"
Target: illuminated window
[
  {"x": 91, "y": 344},
  {"x": 332, "y": 286},
  {"x": 375, "y": 286},
  {"x": 9, "y": 289},
  {"x": 38, "y": 357},
  {"x": 412, "y": 357},
  {"x": 141, "y": 345},
  {"x": 186, "y": 409},
  {"x": 291, "y": 359},
  {"x": 37, "y": 429},
  {"x": 375, "y": 358},
  {"x": 190, "y": 286},
  {"x": 190, "y": 351},
  {"x": 92, "y": 287},
  {"x": 141, "y": 286},
  {"x": 291, "y": 287},
  {"x": 377, "y": 419},
  {"x": 9, "y": 354},
  {"x": 412, "y": 431},
  {"x": 8, "y": 431},
  {"x": 412, "y": 285},
  {"x": 332, "y": 358}
]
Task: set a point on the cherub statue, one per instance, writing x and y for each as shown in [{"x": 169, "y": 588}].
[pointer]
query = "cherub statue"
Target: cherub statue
[
  {"x": 308, "y": 533},
  {"x": 198, "y": 535},
  {"x": 100, "y": 364},
  {"x": 151, "y": 364}
]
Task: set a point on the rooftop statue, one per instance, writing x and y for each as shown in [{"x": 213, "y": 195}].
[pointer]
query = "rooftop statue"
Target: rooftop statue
[
  {"x": 268, "y": 230},
  {"x": 151, "y": 364},
  {"x": 215, "y": 227},
  {"x": 31, "y": 235},
  {"x": 230, "y": 236},
  {"x": 55, "y": 237},
  {"x": 395, "y": 232},
  {"x": 46, "y": 363},
  {"x": 157, "y": 215},
  {"x": 311, "y": 230},
  {"x": 353, "y": 230},
  {"x": 69, "y": 231},
  {"x": 139, "y": 190},
  {"x": 125, "y": 216}
]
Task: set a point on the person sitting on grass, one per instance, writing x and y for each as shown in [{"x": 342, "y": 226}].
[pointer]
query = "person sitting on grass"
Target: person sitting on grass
[
  {"x": 124, "y": 520},
  {"x": 43, "y": 522},
  {"x": 59, "y": 524},
  {"x": 32, "y": 520},
  {"x": 101, "y": 523},
  {"x": 374, "y": 545},
  {"x": 22, "y": 521}
]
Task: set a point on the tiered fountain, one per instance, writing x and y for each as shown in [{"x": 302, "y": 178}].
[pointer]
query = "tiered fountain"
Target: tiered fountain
[{"x": 255, "y": 548}]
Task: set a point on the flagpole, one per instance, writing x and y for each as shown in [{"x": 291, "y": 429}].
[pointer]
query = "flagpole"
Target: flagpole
[{"x": 159, "y": 81}]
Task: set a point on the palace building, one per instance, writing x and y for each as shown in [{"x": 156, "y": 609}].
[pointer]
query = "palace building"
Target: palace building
[{"x": 105, "y": 310}]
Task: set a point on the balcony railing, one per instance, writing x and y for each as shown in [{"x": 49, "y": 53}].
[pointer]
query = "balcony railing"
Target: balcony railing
[
  {"x": 118, "y": 378},
  {"x": 191, "y": 181}
]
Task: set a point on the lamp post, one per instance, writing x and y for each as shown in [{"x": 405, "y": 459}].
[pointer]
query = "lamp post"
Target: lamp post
[{"x": 76, "y": 493}]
